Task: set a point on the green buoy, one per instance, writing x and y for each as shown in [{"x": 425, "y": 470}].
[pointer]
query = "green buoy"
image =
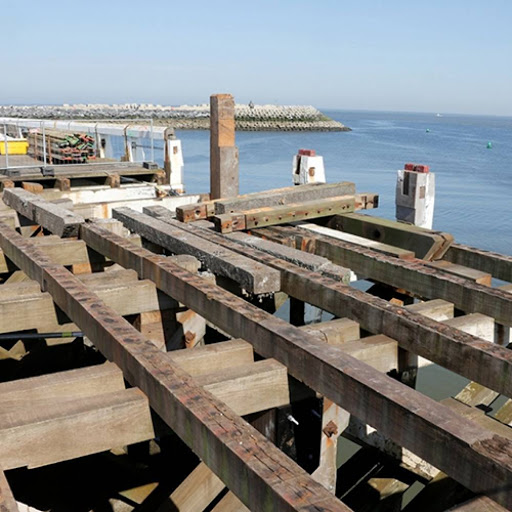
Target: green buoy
[
  {"x": 489, "y": 145},
  {"x": 428, "y": 130}
]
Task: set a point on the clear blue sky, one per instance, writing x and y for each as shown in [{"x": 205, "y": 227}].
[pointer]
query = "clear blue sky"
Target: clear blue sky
[{"x": 435, "y": 56}]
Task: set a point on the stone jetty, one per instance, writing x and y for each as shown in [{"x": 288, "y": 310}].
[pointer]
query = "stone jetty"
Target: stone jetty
[{"x": 186, "y": 117}]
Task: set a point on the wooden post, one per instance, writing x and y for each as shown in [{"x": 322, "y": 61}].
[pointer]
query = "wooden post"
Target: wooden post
[{"x": 223, "y": 152}]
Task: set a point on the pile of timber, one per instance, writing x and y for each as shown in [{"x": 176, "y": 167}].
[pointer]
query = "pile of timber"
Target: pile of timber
[
  {"x": 181, "y": 303},
  {"x": 61, "y": 147}
]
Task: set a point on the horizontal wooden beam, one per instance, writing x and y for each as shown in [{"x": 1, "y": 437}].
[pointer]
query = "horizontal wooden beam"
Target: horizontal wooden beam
[
  {"x": 283, "y": 196},
  {"x": 411, "y": 275},
  {"x": 62, "y": 251},
  {"x": 390, "y": 250},
  {"x": 46, "y": 434},
  {"x": 306, "y": 260},
  {"x": 248, "y": 464},
  {"x": 249, "y": 388},
  {"x": 499, "y": 265},
  {"x": 252, "y": 276},
  {"x": 463, "y": 353},
  {"x": 272, "y": 215},
  {"x": 56, "y": 219},
  {"x": 48, "y": 390},
  {"x": 371, "y": 396},
  {"x": 425, "y": 243}
]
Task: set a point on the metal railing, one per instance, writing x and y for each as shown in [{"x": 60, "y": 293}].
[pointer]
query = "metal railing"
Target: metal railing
[{"x": 122, "y": 141}]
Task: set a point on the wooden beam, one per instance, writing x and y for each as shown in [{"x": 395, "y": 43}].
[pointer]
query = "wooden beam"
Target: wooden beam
[
  {"x": 411, "y": 275},
  {"x": 306, "y": 260},
  {"x": 272, "y": 215},
  {"x": 425, "y": 243},
  {"x": 47, "y": 390},
  {"x": 499, "y": 265},
  {"x": 252, "y": 276},
  {"x": 7, "y": 501},
  {"x": 46, "y": 434},
  {"x": 223, "y": 152},
  {"x": 341, "y": 378},
  {"x": 62, "y": 251},
  {"x": 249, "y": 388},
  {"x": 284, "y": 196},
  {"x": 56, "y": 219},
  {"x": 439, "y": 343},
  {"x": 220, "y": 356},
  {"x": 390, "y": 250},
  {"x": 247, "y": 463},
  {"x": 23, "y": 306}
]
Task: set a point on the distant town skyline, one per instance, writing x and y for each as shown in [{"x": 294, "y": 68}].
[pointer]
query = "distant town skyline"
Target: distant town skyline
[{"x": 448, "y": 57}]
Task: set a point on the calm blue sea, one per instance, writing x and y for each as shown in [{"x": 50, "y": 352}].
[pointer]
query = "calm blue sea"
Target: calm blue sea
[{"x": 473, "y": 183}]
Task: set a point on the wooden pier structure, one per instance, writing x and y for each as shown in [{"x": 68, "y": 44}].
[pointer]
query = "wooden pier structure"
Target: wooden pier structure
[{"x": 179, "y": 385}]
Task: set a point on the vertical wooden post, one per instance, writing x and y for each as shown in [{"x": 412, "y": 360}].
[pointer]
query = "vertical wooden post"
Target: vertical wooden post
[{"x": 223, "y": 152}]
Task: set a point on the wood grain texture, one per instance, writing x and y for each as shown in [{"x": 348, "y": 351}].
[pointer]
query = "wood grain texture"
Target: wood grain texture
[
  {"x": 341, "y": 378},
  {"x": 252, "y": 467}
]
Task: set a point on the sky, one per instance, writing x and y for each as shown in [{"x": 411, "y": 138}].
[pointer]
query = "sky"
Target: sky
[{"x": 431, "y": 56}]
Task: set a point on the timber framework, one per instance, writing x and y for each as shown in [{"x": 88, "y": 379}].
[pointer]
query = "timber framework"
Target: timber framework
[{"x": 148, "y": 364}]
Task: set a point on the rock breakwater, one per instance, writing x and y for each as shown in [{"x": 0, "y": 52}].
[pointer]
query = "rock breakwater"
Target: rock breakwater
[{"x": 186, "y": 117}]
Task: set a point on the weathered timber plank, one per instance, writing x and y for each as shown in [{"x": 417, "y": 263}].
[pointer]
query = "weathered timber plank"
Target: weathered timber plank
[
  {"x": 499, "y": 265},
  {"x": 411, "y": 275},
  {"x": 459, "y": 270},
  {"x": 251, "y": 276},
  {"x": 61, "y": 251},
  {"x": 309, "y": 261},
  {"x": 23, "y": 305},
  {"x": 248, "y": 464},
  {"x": 7, "y": 501},
  {"x": 436, "y": 342},
  {"x": 272, "y": 215},
  {"x": 390, "y": 250},
  {"x": 341, "y": 378},
  {"x": 61, "y": 386},
  {"x": 56, "y": 219},
  {"x": 283, "y": 196},
  {"x": 216, "y": 356},
  {"x": 425, "y": 243},
  {"x": 249, "y": 388},
  {"x": 38, "y": 436}
]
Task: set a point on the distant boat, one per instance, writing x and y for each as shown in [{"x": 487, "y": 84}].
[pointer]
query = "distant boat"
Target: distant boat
[{"x": 439, "y": 115}]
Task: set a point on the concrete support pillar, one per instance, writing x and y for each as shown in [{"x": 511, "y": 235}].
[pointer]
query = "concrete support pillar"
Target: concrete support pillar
[
  {"x": 307, "y": 167},
  {"x": 415, "y": 194},
  {"x": 223, "y": 152}
]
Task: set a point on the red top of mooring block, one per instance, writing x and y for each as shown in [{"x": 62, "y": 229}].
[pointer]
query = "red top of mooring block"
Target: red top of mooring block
[
  {"x": 307, "y": 152},
  {"x": 416, "y": 167}
]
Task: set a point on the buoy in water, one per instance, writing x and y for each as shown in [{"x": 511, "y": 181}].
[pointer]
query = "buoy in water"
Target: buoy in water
[
  {"x": 428, "y": 130},
  {"x": 489, "y": 145}
]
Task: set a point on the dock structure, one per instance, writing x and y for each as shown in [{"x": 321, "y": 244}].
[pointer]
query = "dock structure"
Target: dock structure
[{"x": 143, "y": 344}]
